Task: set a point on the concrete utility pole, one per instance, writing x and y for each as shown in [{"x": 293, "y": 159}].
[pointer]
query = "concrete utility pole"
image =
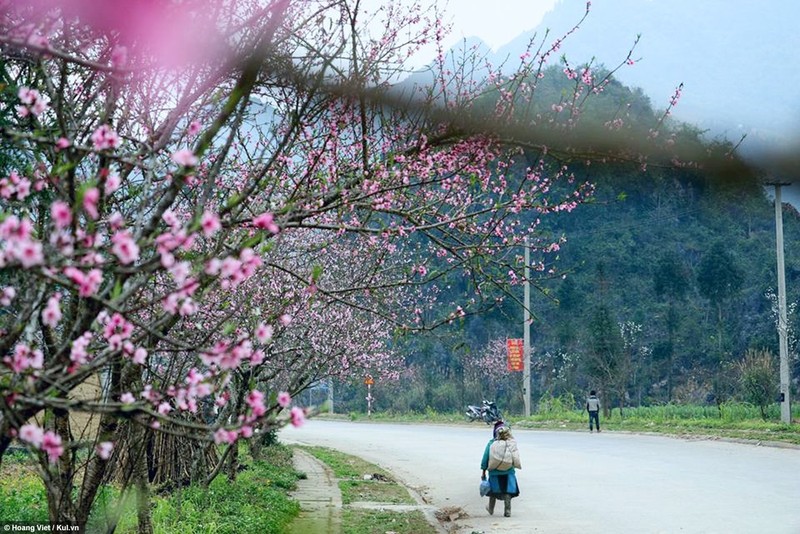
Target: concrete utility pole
[
  {"x": 783, "y": 327},
  {"x": 330, "y": 395},
  {"x": 526, "y": 334}
]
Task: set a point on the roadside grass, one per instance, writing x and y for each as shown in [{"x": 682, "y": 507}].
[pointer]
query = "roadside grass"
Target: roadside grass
[
  {"x": 360, "y": 521},
  {"x": 733, "y": 420},
  {"x": 380, "y": 488},
  {"x": 22, "y": 496},
  {"x": 374, "y": 491},
  {"x": 256, "y": 502}
]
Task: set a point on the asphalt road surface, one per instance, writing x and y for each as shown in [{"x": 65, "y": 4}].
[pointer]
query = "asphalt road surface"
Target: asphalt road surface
[{"x": 573, "y": 482}]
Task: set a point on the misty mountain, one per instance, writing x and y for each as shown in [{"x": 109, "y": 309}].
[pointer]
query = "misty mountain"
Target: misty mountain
[{"x": 737, "y": 59}]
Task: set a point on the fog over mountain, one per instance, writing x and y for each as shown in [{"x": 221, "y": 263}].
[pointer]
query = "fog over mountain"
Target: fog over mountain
[{"x": 738, "y": 59}]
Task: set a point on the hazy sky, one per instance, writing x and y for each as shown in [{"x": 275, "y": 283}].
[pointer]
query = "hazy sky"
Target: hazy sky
[{"x": 495, "y": 22}]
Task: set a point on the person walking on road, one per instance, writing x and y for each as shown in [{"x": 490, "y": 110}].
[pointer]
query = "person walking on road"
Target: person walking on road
[
  {"x": 593, "y": 407},
  {"x": 500, "y": 459}
]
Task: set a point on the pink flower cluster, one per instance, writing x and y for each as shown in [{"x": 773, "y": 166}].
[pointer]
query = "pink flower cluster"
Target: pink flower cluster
[
  {"x": 226, "y": 355},
  {"x": 15, "y": 185},
  {"x": 196, "y": 387},
  {"x": 233, "y": 271},
  {"x": 88, "y": 283},
  {"x": 24, "y": 358},
  {"x": 124, "y": 247},
  {"x": 104, "y": 137},
  {"x": 185, "y": 157},
  {"x": 51, "y": 315},
  {"x": 266, "y": 221},
  {"x": 7, "y": 295},
  {"x": 49, "y": 441},
  {"x": 79, "y": 355},
  {"x": 32, "y": 102},
  {"x": 61, "y": 214},
  {"x": 104, "y": 449},
  {"x": 115, "y": 330},
  {"x": 17, "y": 243}
]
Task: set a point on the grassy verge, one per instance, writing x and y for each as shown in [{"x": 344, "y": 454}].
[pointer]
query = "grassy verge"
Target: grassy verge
[
  {"x": 357, "y": 521},
  {"x": 378, "y": 488},
  {"x": 256, "y": 502}
]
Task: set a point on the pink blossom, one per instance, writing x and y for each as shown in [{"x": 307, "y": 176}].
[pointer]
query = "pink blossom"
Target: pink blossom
[
  {"x": 188, "y": 307},
  {"x": 263, "y": 333},
  {"x": 78, "y": 352},
  {"x": 194, "y": 128},
  {"x": 24, "y": 358},
  {"x": 61, "y": 213},
  {"x": 104, "y": 449},
  {"x": 125, "y": 247},
  {"x": 119, "y": 57},
  {"x": 27, "y": 95},
  {"x": 7, "y": 295},
  {"x": 32, "y": 102},
  {"x": 257, "y": 358},
  {"x": 90, "y": 199},
  {"x": 164, "y": 408},
  {"x": 29, "y": 253},
  {"x": 185, "y": 157},
  {"x": 255, "y": 399},
  {"x": 31, "y": 434},
  {"x": 127, "y": 398},
  {"x": 285, "y": 319},
  {"x": 139, "y": 356},
  {"x": 51, "y": 315},
  {"x": 284, "y": 399},
  {"x": 62, "y": 143},
  {"x": 298, "y": 416},
  {"x": 266, "y": 221},
  {"x": 113, "y": 182},
  {"x": 51, "y": 444},
  {"x": 210, "y": 223},
  {"x": 87, "y": 283},
  {"x": 116, "y": 221},
  {"x": 224, "y": 436},
  {"x": 247, "y": 431},
  {"x": 104, "y": 137}
]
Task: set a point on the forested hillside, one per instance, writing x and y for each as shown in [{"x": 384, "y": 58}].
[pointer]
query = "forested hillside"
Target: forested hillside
[{"x": 660, "y": 288}]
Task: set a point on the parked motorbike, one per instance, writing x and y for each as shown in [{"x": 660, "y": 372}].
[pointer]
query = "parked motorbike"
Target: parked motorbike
[{"x": 488, "y": 412}]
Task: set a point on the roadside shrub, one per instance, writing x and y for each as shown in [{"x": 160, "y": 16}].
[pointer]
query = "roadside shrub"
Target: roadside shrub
[{"x": 757, "y": 379}]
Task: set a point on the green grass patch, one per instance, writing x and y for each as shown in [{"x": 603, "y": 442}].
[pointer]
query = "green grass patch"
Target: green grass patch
[
  {"x": 374, "y": 491},
  {"x": 256, "y": 502},
  {"x": 22, "y": 494},
  {"x": 343, "y": 465},
  {"x": 359, "y": 521}
]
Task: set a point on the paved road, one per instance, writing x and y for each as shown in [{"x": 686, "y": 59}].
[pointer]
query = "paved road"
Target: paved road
[{"x": 574, "y": 482}]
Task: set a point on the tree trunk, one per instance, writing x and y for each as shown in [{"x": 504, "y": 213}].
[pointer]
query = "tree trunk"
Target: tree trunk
[
  {"x": 59, "y": 484},
  {"x": 233, "y": 462},
  {"x": 140, "y": 480}
]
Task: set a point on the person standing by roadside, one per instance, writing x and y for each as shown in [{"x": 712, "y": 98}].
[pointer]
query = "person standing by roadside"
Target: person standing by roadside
[
  {"x": 593, "y": 407},
  {"x": 500, "y": 459}
]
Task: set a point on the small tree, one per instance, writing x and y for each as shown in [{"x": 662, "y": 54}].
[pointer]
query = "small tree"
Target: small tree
[{"x": 757, "y": 379}]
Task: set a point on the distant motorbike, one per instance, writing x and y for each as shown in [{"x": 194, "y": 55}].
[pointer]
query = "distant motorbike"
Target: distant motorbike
[{"x": 486, "y": 412}]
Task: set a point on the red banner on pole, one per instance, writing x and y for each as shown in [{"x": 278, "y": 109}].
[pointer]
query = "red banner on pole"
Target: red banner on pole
[{"x": 516, "y": 355}]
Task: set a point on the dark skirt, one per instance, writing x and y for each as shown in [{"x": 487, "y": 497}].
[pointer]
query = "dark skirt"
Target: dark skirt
[{"x": 502, "y": 485}]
